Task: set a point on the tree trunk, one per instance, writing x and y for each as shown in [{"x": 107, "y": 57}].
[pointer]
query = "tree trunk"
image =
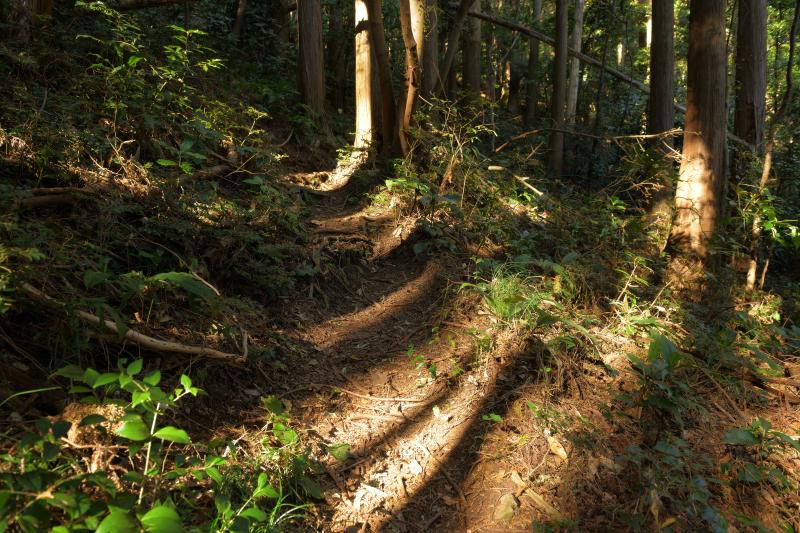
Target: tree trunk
[
  {"x": 378, "y": 42},
  {"x": 412, "y": 75},
  {"x": 453, "y": 38},
  {"x": 472, "y": 55},
  {"x": 698, "y": 198},
  {"x": 312, "y": 64},
  {"x": 661, "y": 103},
  {"x": 430, "y": 49},
  {"x": 559, "y": 89},
  {"x": 532, "y": 81},
  {"x": 575, "y": 64},
  {"x": 751, "y": 72},
  {"x": 238, "y": 22},
  {"x": 363, "y": 79},
  {"x": 284, "y": 18}
]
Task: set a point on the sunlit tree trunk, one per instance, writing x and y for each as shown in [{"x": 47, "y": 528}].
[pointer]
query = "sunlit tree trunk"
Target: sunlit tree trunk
[
  {"x": 559, "y": 89},
  {"x": 575, "y": 64},
  {"x": 430, "y": 49},
  {"x": 363, "y": 79},
  {"x": 311, "y": 64},
  {"x": 472, "y": 54},
  {"x": 412, "y": 76},
  {"x": 532, "y": 81},
  {"x": 698, "y": 197},
  {"x": 378, "y": 42},
  {"x": 751, "y": 71}
]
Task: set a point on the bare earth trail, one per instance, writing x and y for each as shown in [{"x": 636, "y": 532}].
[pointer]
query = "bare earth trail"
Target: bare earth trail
[{"x": 405, "y": 369}]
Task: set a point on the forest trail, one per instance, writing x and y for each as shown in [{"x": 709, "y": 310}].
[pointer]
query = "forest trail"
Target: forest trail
[{"x": 404, "y": 369}]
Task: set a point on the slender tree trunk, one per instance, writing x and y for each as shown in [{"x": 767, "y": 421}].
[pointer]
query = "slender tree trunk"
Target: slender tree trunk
[
  {"x": 514, "y": 82},
  {"x": 312, "y": 64},
  {"x": 363, "y": 79},
  {"x": 598, "y": 100},
  {"x": 412, "y": 75},
  {"x": 454, "y": 36},
  {"x": 642, "y": 34},
  {"x": 661, "y": 101},
  {"x": 751, "y": 72},
  {"x": 284, "y": 17},
  {"x": 575, "y": 64},
  {"x": 559, "y": 89},
  {"x": 378, "y": 42},
  {"x": 755, "y": 232},
  {"x": 698, "y": 198},
  {"x": 430, "y": 49},
  {"x": 472, "y": 55},
  {"x": 532, "y": 81},
  {"x": 238, "y": 22}
]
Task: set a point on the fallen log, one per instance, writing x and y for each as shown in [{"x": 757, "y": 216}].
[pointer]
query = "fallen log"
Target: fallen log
[{"x": 141, "y": 339}]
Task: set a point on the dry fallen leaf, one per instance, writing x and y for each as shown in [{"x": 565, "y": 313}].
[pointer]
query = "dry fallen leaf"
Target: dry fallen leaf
[
  {"x": 539, "y": 501},
  {"x": 506, "y": 508},
  {"x": 556, "y": 448}
]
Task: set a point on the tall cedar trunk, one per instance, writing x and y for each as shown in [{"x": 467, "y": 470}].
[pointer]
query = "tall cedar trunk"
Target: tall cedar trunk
[
  {"x": 698, "y": 197},
  {"x": 412, "y": 76},
  {"x": 312, "y": 65},
  {"x": 453, "y": 39},
  {"x": 378, "y": 42},
  {"x": 532, "y": 81},
  {"x": 575, "y": 64},
  {"x": 472, "y": 54},
  {"x": 337, "y": 52},
  {"x": 238, "y": 22},
  {"x": 514, "y": 82},
  {"x": 363, "y": 79},
  {"x": 661, "y": 102},
  {"x": 430, "y": 49},
  {"x": 559, "y": 89},
  {"x": 284, "y": 17},
  {"x": 751, "y": 71}
]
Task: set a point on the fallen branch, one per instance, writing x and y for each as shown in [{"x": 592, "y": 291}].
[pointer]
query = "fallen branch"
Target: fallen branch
[{"x": 141, "y": 339}]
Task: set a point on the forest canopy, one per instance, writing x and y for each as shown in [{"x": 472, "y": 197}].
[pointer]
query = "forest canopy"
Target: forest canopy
[{"x": 412, "y": 265}]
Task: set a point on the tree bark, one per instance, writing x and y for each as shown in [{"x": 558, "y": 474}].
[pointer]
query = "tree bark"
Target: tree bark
[
  {"x": 472, "y": 55},
  {"x": 284, "y": 21},
  {"x": 412, "y": 76},
  {"x": 575, "y": 65},
  {"x": 238, "y": 22},
  {"x": 698, "y": 198},
  {"x": 559, "y": 89},
  {"x": 532, "y": 81},
  {"x": 378, "y": 41},
  {"x": 751, "y": 72},
  {"x": 453, "y": 38},
  {"x": 661, "y": 104},
  {"x": 363, "y": 80},
  {"x": 312, "y": 64},
  {"x": 430, "y": 49}
]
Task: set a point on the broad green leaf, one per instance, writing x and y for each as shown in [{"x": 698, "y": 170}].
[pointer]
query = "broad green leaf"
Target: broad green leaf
[
  {"x": 167, "y": 163},
  {"x": 740, "y": 437},
  {"x": 133, "y": 429},
  {"x": 105, "y": 379},
  {"x": 162, "y": 519},
  {"x": 187, "y": 282},
  {"x": 492, "y": 417},
  {"x": 173, "y": 434},
  {"x": 90, "y": 420},
  {"x": 135, "y": 367},
  {"x": 118, "y": 522},
  {"x": 70, "y": 371},
  {"x": 153, "y": 379},
  {"x": 285, "y": 435},
  {"x": 340, "y": 451},
  {"x": 254, "y": 514},
  {"x": 186, "y": 381},
  {"x": 273, "y": 404},
  {"x": 266, "y": 491},
  {"x": 312, "y": 488}
]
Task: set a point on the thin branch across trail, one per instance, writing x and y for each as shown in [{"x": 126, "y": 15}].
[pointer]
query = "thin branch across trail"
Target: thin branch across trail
[{"x": 141, "y": 339}]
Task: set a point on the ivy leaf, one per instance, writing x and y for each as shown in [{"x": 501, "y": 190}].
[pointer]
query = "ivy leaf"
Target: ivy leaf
[
  {"x": 162, "y": 519},
  {"x": 133, "y": 429},
  {"x": 118, "y": 522},
  {"x": 740, "y": 437},
  {"x": 173, "y": 434}
]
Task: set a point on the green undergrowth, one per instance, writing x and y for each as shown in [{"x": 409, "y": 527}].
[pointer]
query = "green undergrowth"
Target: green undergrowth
[{"x": 574, "y": 269}]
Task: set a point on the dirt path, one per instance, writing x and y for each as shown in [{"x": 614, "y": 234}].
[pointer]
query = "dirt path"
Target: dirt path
[{"x": 406, "y": 370}]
